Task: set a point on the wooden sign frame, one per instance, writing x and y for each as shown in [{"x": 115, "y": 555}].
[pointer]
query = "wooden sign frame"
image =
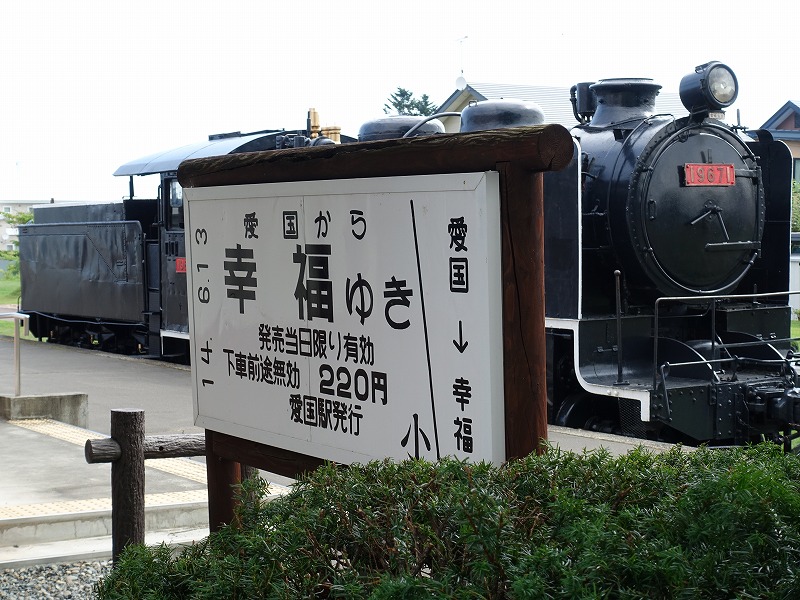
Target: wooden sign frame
[{"x": 520, "y": 155}]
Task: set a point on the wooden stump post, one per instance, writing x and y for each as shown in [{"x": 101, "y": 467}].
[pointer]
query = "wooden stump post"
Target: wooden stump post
[
  {"x": 127, "y": 480},
  {"x": 127, "y": 450}
]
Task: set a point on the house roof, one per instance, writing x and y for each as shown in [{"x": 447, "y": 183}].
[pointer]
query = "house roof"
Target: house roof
[
  {"x": 791, "y": 107},
  {"x": 784, "y": 112},
  {"x": 31, "y": 202},
  {"x": 554, "y": 101}
]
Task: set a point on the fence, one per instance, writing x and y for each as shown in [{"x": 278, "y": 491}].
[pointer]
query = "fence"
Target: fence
[{"x": 126, "y": 450}]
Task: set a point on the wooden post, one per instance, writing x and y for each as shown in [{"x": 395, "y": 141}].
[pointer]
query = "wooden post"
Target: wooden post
[
  {"x": 176, "y": 445},
  {"x": 127, "y": 480},
  {"x": 524, "y": 341},
  {"x": 223, "y": 474},
  {"x": 229, "y": 460}
]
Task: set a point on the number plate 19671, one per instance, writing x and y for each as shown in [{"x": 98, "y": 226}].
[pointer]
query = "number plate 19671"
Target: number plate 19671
[{"x": 709, "y": 174}]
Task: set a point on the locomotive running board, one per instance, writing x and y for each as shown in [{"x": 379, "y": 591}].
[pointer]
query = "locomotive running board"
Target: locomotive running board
[
  {"x": 171, "y": 333},
  {"x": 642, "y": 396}
]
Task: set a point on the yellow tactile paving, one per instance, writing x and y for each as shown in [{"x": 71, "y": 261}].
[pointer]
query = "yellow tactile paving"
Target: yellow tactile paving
[
  {"x": 58, "y": 430},
  {"x": 180, "y": 467},
  {"x": 54, "y": 508},
  {"x": 97, "y": 504},
  {"x": 169, "y": 498}
]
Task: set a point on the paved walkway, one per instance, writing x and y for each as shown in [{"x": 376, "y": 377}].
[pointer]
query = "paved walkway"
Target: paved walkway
[{"x": 55, "y": 506}]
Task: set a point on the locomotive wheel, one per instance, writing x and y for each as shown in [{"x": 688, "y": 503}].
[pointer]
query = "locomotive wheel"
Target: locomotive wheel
[{"x": 587, "y": 411}]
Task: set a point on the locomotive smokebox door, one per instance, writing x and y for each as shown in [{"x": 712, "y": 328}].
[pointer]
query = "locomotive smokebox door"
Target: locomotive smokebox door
[{"x": 696, "y": 216}]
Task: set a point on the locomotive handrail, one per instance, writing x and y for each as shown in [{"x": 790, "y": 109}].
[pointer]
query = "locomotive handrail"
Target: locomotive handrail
[
  {"x": 713, "y": 299},
  {"x": 429, "y": 118},
  {"x": 791, "y": 359},
  {"x": 18, "y": 318},
  {"x": 758, "y": 342},
  {"x": 710, "y": 361}
]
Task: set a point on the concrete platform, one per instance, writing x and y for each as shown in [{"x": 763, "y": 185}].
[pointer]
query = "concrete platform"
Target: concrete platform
[
  {"x": 67, "y": 407},
  {"x": 97, "y": 548},
  {"x": 55, "y": 507},
  {"x": 52, "y": 501},
  {"x": 577, "y": 440}
]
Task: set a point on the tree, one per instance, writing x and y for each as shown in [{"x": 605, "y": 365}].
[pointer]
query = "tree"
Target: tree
[
  {"x": 403, "y": 103},
  {"x": 424, "y": 106},
  {"x": 15, "y": 219},
  {"x": 795, "y": 205}
]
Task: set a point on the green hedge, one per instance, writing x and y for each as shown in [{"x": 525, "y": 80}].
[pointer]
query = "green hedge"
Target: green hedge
[{"x": 703, "y": 524}]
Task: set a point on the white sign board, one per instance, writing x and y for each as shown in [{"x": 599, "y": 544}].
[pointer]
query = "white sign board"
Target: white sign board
[{"x": 351, "y": 319}]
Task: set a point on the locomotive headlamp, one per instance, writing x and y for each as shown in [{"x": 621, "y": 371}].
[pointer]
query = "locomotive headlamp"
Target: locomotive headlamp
[{"x": 712, "y": 86}]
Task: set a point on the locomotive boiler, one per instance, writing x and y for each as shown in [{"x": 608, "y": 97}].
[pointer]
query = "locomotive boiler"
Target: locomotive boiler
[{"x": 666, "y": 258}]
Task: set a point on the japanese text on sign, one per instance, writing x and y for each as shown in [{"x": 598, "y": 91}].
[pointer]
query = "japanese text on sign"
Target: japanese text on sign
[{"x": 352, "y": 319}]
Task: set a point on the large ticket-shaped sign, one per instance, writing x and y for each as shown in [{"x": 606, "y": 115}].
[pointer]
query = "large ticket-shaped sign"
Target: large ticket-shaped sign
[{"x": 350, "y": 319}]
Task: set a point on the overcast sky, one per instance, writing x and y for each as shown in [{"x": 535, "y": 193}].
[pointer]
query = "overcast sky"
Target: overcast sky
[{"x": 89, "y": 85}]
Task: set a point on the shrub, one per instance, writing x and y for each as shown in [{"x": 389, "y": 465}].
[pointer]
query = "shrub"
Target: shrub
[{"x": 704, "y": 524}]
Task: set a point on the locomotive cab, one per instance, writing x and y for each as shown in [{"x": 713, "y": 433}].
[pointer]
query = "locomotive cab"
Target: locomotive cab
[
  {"x": 113, "y": 276},
  {"x": 166, "y": 312},
  {"x": 172, "y": 324}
]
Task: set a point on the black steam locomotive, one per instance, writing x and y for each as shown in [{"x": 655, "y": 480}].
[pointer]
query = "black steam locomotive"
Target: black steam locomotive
[
  {"x": 666, "y": 258},
  {"x": 113, "y": 276}
]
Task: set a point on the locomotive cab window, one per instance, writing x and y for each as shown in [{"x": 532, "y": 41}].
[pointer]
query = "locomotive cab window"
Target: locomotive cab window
[{"x": 174, "y": 205}]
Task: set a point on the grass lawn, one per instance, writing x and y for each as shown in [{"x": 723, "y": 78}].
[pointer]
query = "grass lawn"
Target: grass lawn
[
  {"x": 9, "y": 291},
  {"x": 9, "y": 295},
  {"x": 7, "y": 328}
]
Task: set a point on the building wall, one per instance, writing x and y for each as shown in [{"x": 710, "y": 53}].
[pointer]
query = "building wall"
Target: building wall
[
  {"x": 790, "y": 123},
  {"x": 794, "y": 148},
  {"x": 8, "y": 233}
]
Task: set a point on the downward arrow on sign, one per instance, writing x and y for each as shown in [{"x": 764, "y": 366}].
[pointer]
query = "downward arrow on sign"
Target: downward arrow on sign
[{"x": 460, "y": 345}]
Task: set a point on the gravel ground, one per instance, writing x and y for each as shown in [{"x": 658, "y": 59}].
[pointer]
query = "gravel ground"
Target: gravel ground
[{"x": 46, "y": 582}]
